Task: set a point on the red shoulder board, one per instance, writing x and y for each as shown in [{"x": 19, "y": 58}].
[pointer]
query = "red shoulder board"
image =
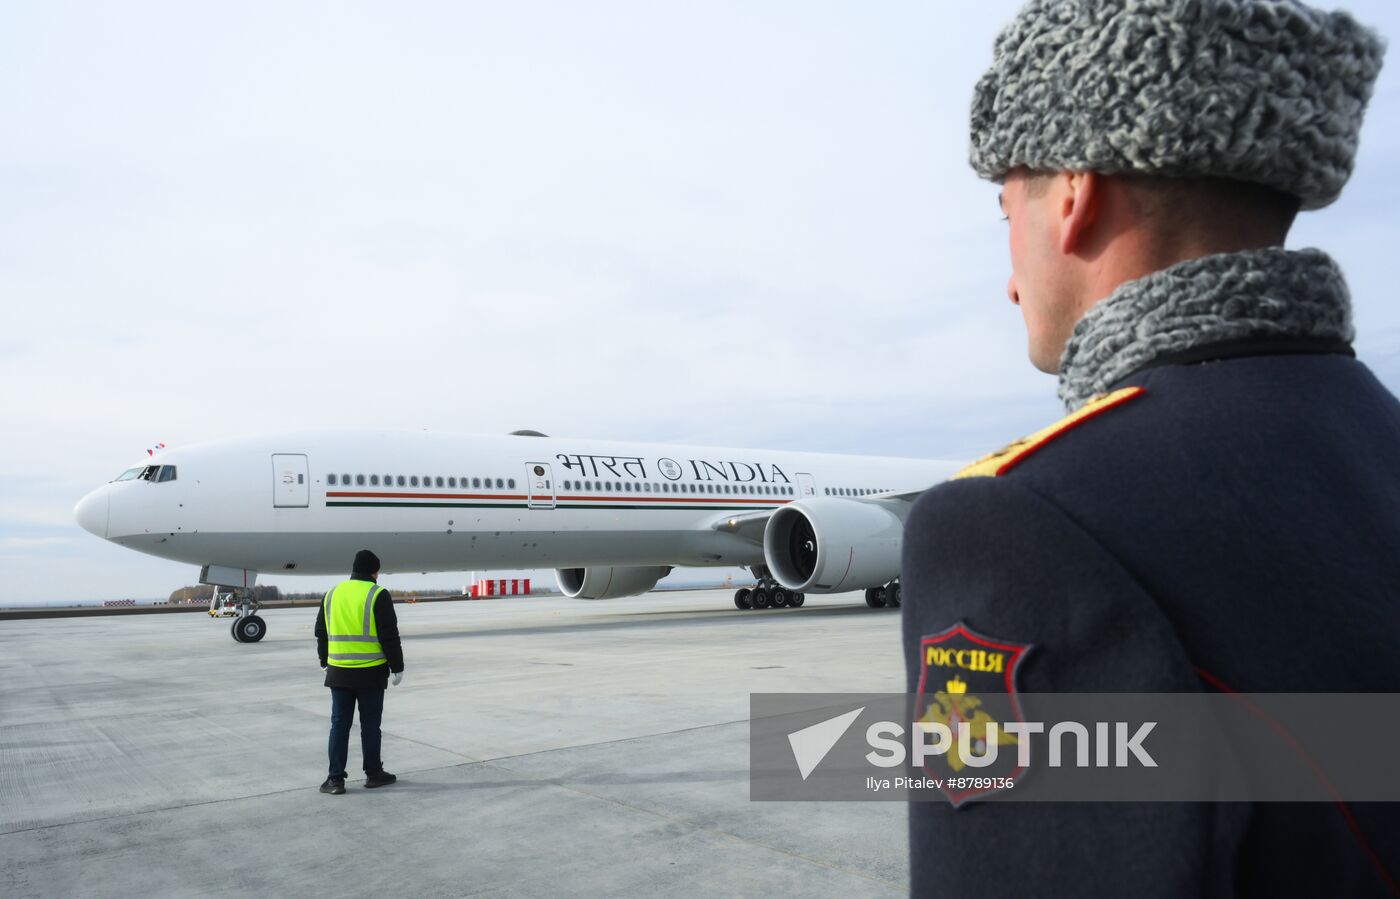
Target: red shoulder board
[{"x": 1008, "y": 457}]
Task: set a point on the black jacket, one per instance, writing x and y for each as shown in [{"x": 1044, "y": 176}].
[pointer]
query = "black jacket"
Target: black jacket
[
  {"x": 386, "y": 623},
  {"x": 1198, "y": 537}
]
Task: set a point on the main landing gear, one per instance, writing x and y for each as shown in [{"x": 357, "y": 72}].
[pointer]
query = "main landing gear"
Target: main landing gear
[
  {"x": 767, "y": 594},
  {"x": 248, "y": 627},
  {"x": 886, "y": 597}
]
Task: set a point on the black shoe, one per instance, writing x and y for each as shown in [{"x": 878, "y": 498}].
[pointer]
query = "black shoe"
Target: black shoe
[
  {"x": 382, "y": 779},
  {"x": 333, "y": 785}
]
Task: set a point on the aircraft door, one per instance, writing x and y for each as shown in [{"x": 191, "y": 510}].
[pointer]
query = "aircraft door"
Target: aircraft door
[
  {"x": 291, "y": 481},
  {"x": 539, "y": 485},
  {"x": 806, "y": 486}
]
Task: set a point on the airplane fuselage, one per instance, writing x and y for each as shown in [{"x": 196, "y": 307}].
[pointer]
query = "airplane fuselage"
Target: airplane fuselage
[{"x": 305, "y": 503}]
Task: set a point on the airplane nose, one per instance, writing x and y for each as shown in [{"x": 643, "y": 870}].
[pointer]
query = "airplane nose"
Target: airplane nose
[{"x": 91, "y": 512}]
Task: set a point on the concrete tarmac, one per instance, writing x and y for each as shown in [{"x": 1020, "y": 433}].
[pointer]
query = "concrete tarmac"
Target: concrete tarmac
[{"x": 544, "y": 746}]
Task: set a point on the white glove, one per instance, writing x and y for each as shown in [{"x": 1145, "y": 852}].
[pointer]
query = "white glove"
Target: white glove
[{"x": 396, "y": 677}]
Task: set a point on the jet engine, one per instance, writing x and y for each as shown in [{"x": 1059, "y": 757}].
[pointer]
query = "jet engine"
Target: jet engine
[
  {"x": 827, "y": 545},
  {"x": 608, "y": 582}
]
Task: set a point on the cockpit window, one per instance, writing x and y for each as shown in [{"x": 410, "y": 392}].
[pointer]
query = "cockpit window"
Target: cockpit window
[{"x": 152, "y": 473}]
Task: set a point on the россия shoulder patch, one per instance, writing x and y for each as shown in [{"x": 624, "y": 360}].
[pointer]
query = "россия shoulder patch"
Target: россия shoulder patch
[
  {"x": 1008, "y": 457},
  {"x": 968, "y": 689}
]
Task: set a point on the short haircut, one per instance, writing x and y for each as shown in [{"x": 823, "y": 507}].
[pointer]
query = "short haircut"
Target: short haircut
[
  {"x": 1217, "y": 206},
  {"x": 1209, "y": 206}
]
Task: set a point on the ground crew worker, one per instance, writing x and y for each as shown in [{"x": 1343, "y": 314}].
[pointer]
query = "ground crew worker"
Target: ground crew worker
[
  {"x": 1225, "y": 490},
  {"x": 357, "y": 638}
]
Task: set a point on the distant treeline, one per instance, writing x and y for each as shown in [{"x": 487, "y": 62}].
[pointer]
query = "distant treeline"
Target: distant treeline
[{"x": 203, "y": 593}]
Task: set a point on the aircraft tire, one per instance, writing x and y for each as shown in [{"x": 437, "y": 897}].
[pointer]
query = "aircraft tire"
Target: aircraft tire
[
  {"x": 741, "y": 598},
  {"x": 781, "y": 598},
  {"x": 875, "y": 597},
  {"x": 250, "y": 629},
  {"x": 233, "y": 630},
  {"x": 760, "y": 598},
  {"x": 797, "y": 599},
  {"x": 892, "y": 595}
]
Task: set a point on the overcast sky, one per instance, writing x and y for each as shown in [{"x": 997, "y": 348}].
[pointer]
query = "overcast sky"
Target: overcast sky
[{"x": 737, "y": 223}]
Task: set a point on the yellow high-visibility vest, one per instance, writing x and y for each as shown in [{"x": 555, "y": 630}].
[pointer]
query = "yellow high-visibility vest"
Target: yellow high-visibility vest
[{"x": 350, "y": 628}]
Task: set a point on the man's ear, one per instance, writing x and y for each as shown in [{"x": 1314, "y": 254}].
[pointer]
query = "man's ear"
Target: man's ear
[{"x": 1078, "y": 209}]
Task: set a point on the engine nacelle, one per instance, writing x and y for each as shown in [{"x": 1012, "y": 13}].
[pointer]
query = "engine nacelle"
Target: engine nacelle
[
  {"x": 828, "y": 545},
  {"x": 608, "y": 582}
]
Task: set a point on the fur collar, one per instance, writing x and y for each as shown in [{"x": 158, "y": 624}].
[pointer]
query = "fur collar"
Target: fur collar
[{"x": 1226, "y": 297}]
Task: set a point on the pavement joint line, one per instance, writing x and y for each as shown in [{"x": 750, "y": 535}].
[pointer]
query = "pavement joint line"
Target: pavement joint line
[
  {"x": 197, "y": 711},
  {"x": 664, "y": 733},
  {"x": 496, "y": 764},
  {"x": 148, "y": 811},
  {"x": 463, "y": 764},
  {"x": 690, "y": 823},
  {"x": 696, "y": 825},
  {"x": 461, "y": 755}
]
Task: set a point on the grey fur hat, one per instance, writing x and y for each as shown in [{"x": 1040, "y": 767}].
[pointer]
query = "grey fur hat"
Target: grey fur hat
[{"x": 1265, "y": 91}]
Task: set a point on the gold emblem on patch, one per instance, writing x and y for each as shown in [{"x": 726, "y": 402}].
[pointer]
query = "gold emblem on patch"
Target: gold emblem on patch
[{"x": 956, "y": 705}]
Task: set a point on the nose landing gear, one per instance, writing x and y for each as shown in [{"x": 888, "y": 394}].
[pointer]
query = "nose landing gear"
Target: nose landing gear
[
  {"x": 247, "y": 627},
  {"x": 249, "y": 630},
  {"x": 234, "y": 596}
]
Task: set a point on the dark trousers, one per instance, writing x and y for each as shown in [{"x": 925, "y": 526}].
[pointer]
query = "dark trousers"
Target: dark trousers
[{"x": 343, "y": 701}]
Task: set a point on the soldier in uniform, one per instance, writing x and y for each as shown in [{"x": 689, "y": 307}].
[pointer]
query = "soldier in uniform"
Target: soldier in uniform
[{"x": 1223, "y": 500}]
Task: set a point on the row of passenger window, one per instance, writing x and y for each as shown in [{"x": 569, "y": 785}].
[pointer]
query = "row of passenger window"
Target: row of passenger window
[
  {"x": 389, "y": 480},
  {"x": 413, "y": 480},
  {"x": 668, "y": 487}
]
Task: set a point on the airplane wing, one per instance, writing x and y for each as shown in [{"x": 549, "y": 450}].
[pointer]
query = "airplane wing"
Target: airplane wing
[
  {"x": 907, "y": 496},
  {"x": 750, "y": 525}
]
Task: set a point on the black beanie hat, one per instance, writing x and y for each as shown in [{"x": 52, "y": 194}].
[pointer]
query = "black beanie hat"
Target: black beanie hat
[{"x": 366, "y": 563}]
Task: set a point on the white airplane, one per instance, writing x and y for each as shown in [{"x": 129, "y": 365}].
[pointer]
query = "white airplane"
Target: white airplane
[{"x": 611, "y": 518}]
